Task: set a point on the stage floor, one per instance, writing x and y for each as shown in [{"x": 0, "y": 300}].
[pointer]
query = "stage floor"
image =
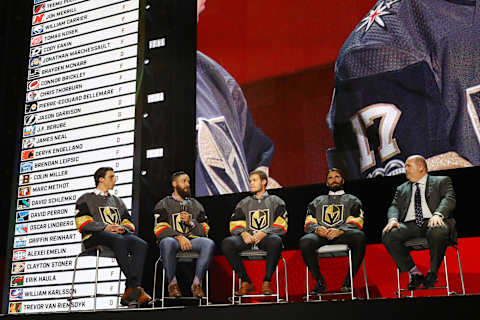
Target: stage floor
[{"x": 453, "y": 307}]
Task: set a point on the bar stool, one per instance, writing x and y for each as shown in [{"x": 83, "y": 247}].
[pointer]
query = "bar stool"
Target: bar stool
[
  {"x": 338, "y": 250},
  {"x": 258, "y": 254},
  {"x": 98, "y": 251},
  {"x": 419, "y": 244},
  {"x": 182, "y": 256}
]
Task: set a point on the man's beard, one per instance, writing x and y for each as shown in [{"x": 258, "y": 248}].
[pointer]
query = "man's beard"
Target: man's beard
[
  {"x": 335, "y": 188},
  {"x": 184, "y": 194}
]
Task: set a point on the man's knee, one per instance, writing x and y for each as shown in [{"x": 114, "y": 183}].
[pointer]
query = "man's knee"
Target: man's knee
[
  {"x": 357, "y": 239},
  {"x": 273, "y": 242},
  {"x": 437, "y": 234},
  {"x": 207, "y": 245},
  {"x": 167, "y": 244},
  {"x": 306, "y": 244},
  {"x": 390, "y": 236},
  {"x": 229, "y": 244}
]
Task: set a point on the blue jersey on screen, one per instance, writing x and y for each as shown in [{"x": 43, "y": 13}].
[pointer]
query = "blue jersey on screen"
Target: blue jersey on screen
[
  {"x": 229, "y": 145},
  {"x": 407, "y": 81}
]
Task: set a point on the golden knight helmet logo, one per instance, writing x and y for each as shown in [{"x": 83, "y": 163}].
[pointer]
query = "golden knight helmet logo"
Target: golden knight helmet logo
[{"x": 332, "y": 214}]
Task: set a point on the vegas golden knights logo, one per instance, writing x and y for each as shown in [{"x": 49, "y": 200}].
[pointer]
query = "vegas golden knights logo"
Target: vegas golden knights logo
[
  {"x": 332, "y": 214},
  {"x": 259, "y": 219},
  {"x": 110, "y": 215},
  {"x": 179, "y": 225}
]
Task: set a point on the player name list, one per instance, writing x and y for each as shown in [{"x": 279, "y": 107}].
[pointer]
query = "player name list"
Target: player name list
[{"x": 79, "y": 116}]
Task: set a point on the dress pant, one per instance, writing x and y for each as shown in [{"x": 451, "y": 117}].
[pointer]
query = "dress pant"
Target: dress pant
[
  {"x": 232, "y": 246},
  {"x": 169, "y": 247},
  {"x": 437, "y": 237},
  {"x": 355, "y": 239},
  {"x": 130, "y": 252}
]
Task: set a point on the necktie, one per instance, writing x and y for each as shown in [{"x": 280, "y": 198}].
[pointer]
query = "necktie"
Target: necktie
[{"x": 418, "y": 207}]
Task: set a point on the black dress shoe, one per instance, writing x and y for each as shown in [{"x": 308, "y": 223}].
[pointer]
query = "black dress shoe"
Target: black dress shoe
[
  {"x": 416, "y": 281},
  {"x": 430, "y": 280},
  {"x": 319, "y": 288}
]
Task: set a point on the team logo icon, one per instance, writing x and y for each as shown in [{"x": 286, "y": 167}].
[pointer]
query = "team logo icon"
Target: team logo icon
[
  {"x": 38, "y": 29},
  {"x": 30, "y": 119},
  {"x": 259, "y": 219},
  {"x": 39, "y": 8},
  {"x": 21, "y": 228},
  {"x": 35, "y": 62},
  {"x": 24, "y": 191},
  {"x": 181, "y": 226},
  {"x": 23, "y": 204},
  {"x": 28, "y": 154},
  {"x": 29, "y": 131},
  {"x": 33, "y": 74},
  {"x": 16, "y": 294},
  {"x": 374, "y": 17},
  {"x": 22, "y": 216},
  {"x": 31, "y": 96},
  {"x": 38, "y": 18},
  {"x": 15, "y": 307},
  {"x": 33, "y": 85},
  {"x": 332, "y": 214},
  {"x": 31, "y": 107},
  {"x": 19, "y": 254},
  {"x": 20, "y": 242},
  {"x": 17, "y": 281},
  {"x": 26, "y": 167},
  {"x": 37, "y": 40},
  {"x": 110, "y": 215},
  {"x": 28, "y": 143},
  {"x": 24, "y": 179},
  {"x": 36, "y": 51},
  {"x": 18, "y": 267}
]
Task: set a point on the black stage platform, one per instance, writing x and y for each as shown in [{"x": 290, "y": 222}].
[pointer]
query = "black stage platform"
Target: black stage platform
[{"x": 453, "y": 307}]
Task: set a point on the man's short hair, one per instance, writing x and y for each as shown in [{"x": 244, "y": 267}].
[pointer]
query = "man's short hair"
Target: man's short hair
[
  {"x": 261, "y": 174},
  {"x": 100, "y": 173},
  {"x": 177, "y": 174},
  {"x": 335, "y": 170}
]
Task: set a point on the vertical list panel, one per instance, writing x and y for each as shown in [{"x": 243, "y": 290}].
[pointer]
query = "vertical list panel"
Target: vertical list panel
[{"x": 79, "y": 115}]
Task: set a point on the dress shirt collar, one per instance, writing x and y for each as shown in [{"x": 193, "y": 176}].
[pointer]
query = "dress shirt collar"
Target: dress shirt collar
[
  {"x": 336, "y": 193},
  {"x": 99, "y": 192},
  {"x": 423, "y": 180}
]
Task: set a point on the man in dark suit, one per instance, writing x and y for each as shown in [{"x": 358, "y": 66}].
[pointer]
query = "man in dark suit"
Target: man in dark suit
[{"x": 421, "y": 208}]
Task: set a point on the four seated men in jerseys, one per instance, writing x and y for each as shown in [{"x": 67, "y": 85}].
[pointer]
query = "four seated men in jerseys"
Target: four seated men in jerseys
[{"x": 421, "y": 207}]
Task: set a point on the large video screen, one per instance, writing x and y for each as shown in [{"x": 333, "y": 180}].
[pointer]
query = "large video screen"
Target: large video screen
[{"x": 294, "y": 88}]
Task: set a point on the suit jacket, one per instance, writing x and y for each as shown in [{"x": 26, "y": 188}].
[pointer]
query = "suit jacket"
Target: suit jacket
[{"x": 439, "y": 195}]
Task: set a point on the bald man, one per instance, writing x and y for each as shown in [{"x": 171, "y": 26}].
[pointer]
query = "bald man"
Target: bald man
[{"x": 420, "y": 208}]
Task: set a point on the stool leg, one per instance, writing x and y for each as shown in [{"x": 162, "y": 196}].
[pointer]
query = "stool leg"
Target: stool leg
[
  {"x": 365, "y": 278},
  {"x": 96, "y": 282},
  {"x": 73, "y": 282},
  {"x": 239, "y": 286},
  {"x": 286, "y": 279},
  {"x": 206, "y": 280},
  {"x": 233, "y": 286},
  {"x": 278, "y": 285},
  {"x": 119, "y": 284},
  {"x": 308, "y": 289},
  {"x": 155, "y": 283},
  {"x": 163, "y": 287},
  {"x": 460, "y": 270},
  {"x": 399, "y": 293},
  {"x": 350, "y": 269},
  {"x": 446, "y": 274}
]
